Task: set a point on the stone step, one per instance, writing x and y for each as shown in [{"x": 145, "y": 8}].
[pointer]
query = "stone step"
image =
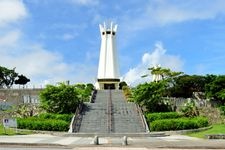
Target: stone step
[{"x": 125, "y": 117}]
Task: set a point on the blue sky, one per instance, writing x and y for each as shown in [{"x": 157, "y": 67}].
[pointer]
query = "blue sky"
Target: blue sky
[{"x": 56, "y": 40}]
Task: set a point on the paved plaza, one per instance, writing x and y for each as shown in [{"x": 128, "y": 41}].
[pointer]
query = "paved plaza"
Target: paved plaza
[{"x": 108, "y": 143}]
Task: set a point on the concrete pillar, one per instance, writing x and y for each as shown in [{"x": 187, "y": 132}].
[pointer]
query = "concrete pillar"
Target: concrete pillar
[
  {"x": 96, "y": 140},
  {"x": 124, "y": 142}
]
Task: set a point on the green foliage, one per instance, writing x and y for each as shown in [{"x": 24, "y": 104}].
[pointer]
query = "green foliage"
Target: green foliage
[
  {"x": 12, "y": 131},
  {"x": 222, "y": 110},
  {"x": 163, "y": 115},
  {"x": 25, "y": 110},
  {"x": 178, "y": 124},
  {"x": 64, "y": 117},
  {"x": 150, "y": 96},
  {"x": 59, "y": 99},
  {"x": 84, "y": 91},
  {"x": 34, "y": 123},
  {"x": 189, "y": 109},
  {"x": 64, "y": 98},
  {"x": 46, "y": 121},
  {"x": 165, "y": 73},
  {"x": 185, "y": 85},
  {"x": 216, "y": 89},
  {"x": 216, "y": 129},
  {"x": 22, "y": 80},
  {"x": 127, "y": 93},
  {"x": 122, "y": 84},
  {"x": 7, "y": 77}
]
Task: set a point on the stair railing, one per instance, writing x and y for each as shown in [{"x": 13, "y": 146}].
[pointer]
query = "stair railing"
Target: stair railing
[
  {"x": 110, "y": 112},
  {"x": 143, "y": 120},
  {"x": 93, "y": 96},
  {"x": 76, "y": 120}
]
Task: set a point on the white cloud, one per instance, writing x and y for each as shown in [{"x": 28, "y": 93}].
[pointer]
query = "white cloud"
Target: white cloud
[
  {"x": 11, "y": 11},
  {"x": 68, "y": 36},
  {"x": 43, "y": 66},
  {"x": 85, "y": 2},
  {"x": 164, "y": 12},
  {"x": 149, "y": 59},
  {"x": 32, "y": 59},
  {"x": 9, "y": 38}
]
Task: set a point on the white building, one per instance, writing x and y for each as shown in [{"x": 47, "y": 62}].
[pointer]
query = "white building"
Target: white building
[{"x": 108, "y": 70}]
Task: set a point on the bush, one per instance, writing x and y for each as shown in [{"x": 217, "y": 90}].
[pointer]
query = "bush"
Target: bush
[
  {"x": 165, "y": 115},
  {"x": 222, "y": 110},
  {"x": 178, "y": 124},
  {"x": 34, "y": 123},
  {"x": 64, "y": 117},
  {"x": 46, "y": 121}
]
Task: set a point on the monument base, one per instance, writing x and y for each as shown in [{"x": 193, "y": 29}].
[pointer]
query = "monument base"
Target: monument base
[{"x": 104, "y": 84}]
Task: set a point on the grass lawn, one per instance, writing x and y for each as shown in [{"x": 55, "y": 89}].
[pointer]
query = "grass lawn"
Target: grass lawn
[
  {"x": 216, "y": 129},
  {"x": 10, "y": 131}
]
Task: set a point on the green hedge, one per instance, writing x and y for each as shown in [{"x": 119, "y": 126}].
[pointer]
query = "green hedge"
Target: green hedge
[
  {"x": 46, "y": 121},
  {"x": 42, "y": 124},
  {"x": 178, "y": 124},
  {"x": 164, "y": 115},
  {"x": 64, "y": 117}
]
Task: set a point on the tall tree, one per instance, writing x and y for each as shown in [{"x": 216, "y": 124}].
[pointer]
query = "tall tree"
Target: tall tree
[
  {"x": 216, "y": 89},
  {"x": 163, "y": 73},
  {"x": 7, "y": 77},
  {"x": 150, "y": 96},
  {"x": 22, "y": 80},
  {"x": 185, "y": 85},
  {"x": 59, "y": 99},
  {"x": 64, "y": 98}
]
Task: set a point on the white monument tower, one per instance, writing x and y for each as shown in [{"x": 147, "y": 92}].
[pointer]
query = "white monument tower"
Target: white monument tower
[{"x": 108, "y": 70}]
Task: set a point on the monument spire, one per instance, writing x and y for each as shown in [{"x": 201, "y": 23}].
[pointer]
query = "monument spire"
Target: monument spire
[{"x": 108, "y": 70}]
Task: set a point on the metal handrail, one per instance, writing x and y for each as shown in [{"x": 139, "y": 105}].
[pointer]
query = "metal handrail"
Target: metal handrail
[
  {"x": 110, "y": 112},
  {"x": 76, "y": 120},
  {"x": 93, "y": 96},
  {"x": 143, "y": 120}
]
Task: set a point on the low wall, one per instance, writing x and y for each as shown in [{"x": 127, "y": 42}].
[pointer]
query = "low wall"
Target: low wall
[{"x": 9, "y": 97}]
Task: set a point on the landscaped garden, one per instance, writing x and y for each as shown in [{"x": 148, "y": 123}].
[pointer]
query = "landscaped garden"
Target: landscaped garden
[
  {"x": 156, "y": 99},
  {"x": 216, "y": 129},
  {"x": 203, "y": 101},
  {"x": 55, "y": 111}
]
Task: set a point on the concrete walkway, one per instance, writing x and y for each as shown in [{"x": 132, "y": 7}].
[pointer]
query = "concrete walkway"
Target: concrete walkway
[{"x": 139, "y": 143}]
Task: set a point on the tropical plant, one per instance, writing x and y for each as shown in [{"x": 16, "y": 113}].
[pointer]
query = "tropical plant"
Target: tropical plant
[
  {"x": 190, "y": 109},
  {"x": 127, "y": 93}
]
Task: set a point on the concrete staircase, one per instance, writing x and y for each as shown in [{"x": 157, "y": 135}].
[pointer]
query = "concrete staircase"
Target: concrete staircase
[{"x": 111, "y": 113}]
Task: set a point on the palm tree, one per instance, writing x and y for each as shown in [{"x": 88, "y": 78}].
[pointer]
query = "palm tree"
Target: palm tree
[{"x": 159, "y": 73}]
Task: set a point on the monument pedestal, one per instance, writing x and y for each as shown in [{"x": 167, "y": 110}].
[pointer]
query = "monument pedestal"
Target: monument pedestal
[{"x": 107, "y": 84}]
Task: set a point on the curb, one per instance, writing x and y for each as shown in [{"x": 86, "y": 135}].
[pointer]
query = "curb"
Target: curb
[
  {"x": 33, "y": 144},
  {"x": 187, "y": 131}
]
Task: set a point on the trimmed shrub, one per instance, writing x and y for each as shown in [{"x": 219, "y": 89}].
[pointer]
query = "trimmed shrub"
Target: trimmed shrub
[
  {"x": 164, "y": 115},
  {"x": 178, "y": 124},
  {"x": 64, "y": 117},
  {"x": 46, "y": 121},
  {"x": 34, "y": 123}
]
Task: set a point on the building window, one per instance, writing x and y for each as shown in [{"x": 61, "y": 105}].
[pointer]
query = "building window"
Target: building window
[{"x": 30, "y": 99}]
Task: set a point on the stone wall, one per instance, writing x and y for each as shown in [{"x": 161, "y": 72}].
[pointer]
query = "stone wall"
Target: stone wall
[{"x": 9, "y": 97}]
